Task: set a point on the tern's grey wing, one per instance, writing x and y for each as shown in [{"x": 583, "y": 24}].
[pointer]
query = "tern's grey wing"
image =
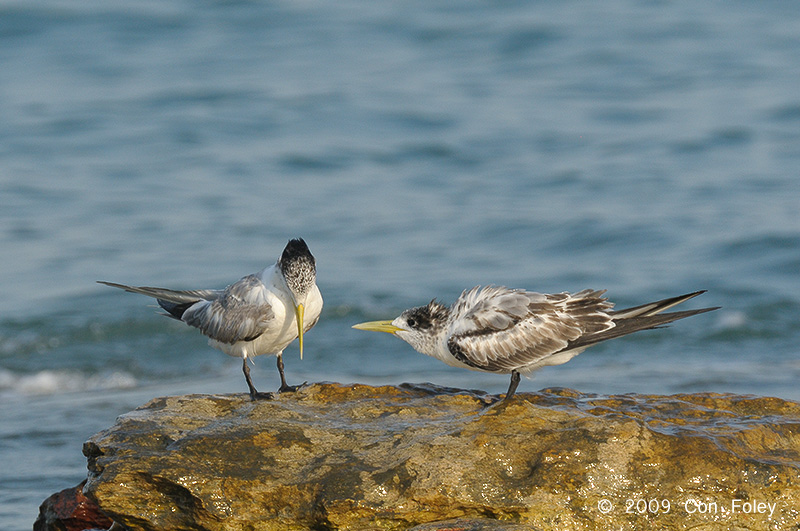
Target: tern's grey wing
[
  {"x": 501, "y": 330},
  {"x": 653, "y": 308},
  {"x": 240, "y": 313},
  {"x": 170, "y": 295},
  {"x": 642, "y": 317}
]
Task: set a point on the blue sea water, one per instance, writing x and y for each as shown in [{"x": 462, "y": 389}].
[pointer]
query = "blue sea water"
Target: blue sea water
[{"x": 650, "y": 148}]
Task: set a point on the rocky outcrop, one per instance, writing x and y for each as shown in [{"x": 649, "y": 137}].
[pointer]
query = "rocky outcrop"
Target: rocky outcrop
[
  {"x": 70, "y": 510},
  {"x": 354, "y": 457}
]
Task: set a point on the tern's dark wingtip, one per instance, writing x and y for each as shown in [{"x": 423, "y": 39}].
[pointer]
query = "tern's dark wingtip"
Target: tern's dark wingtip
[{"x": 694, "y": 294}]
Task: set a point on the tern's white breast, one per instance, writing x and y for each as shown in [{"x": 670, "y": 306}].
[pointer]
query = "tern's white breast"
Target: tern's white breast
[{"x": 282, "y": 328}]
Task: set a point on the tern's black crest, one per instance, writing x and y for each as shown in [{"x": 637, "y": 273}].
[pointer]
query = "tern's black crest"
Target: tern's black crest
[
  {"x": 298, "y": 266},
  {"x": 426, "y": 317}
]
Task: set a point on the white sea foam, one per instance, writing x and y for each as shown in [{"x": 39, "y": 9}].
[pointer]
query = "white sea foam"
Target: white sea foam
[
  {"x": 50, "y": 382},
  {"x": 731, "y": 320}
]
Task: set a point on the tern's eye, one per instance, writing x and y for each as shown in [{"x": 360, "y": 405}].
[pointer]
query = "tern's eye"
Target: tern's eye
[{"x": 411, "y": 322}]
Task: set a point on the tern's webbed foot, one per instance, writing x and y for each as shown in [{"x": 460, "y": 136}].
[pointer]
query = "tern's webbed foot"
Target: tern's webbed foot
[
  {"x": 291, "y": 388},
  {"x": 496, "y": 403},
  {"x": 263, "y": 396},
  {"x": 489, "y": 401}
]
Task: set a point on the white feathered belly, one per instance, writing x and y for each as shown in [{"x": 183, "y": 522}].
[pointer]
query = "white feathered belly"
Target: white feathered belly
[
  {"x": 273, "y": 341},
  {"x": 558, "y": 358},
  {"x": 282, "y": 332}
]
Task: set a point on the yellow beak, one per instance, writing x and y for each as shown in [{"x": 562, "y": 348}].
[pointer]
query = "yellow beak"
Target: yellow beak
[
  {"x": 299, "y": 310},
  {"x": 378, "y": 326}
]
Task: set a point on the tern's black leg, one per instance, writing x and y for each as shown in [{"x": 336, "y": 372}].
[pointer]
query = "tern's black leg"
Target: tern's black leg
[
  {"x": 284, "y": 387},
  {"x": 254, "y": 395},
  {"x": 512, "y": 388}
]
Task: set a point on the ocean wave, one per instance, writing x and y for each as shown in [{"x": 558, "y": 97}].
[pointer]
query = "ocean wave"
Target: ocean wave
[{"x": 52, "y": 382}]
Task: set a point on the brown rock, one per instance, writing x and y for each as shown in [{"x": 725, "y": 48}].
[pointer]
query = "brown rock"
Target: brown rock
[
  {"x": 355, "y": 457},
  {"x": 70, "y": 510},
  {"x": 471, "y": 524}
]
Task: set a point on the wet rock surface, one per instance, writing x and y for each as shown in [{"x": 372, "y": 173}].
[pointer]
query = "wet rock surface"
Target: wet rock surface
[{"x": 335, "y": 456}]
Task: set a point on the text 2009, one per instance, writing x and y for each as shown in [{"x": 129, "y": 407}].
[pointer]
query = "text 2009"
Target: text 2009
[{"x": 642, "y": 506}]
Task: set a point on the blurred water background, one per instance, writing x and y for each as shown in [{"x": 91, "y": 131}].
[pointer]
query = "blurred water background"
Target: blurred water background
[{"x": 420, "y": 147}]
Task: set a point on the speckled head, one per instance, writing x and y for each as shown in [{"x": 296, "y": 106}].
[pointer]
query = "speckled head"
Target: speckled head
[
  {"x": 432, "y": 315},
  {"x": 298, "y": 267},
  {"x": 423, "y": 327}
]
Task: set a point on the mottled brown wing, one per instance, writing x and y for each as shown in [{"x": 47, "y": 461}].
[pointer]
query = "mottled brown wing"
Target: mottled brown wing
[{"x": 500, "y": 329}]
